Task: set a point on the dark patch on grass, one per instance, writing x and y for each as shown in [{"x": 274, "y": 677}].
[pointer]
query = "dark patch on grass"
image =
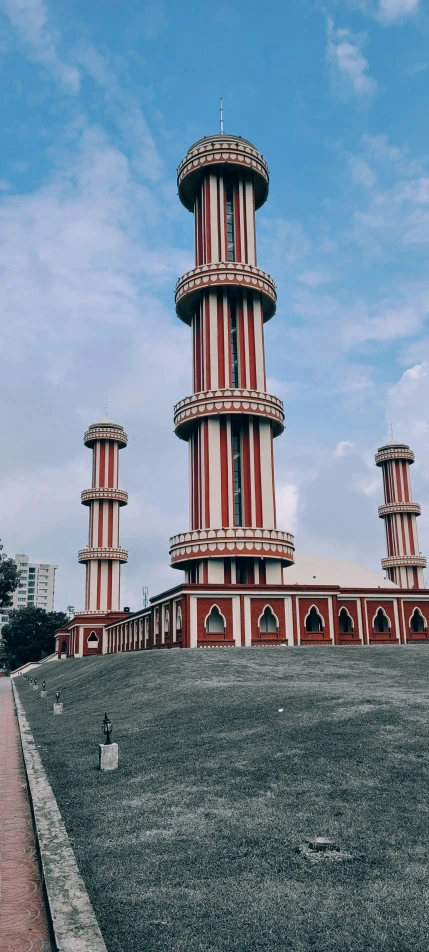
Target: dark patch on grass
[{"x": 192, "y": 844}]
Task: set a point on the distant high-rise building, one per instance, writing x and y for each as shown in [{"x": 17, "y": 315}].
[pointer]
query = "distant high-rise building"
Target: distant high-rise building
[{"x": 36, "y": 585}]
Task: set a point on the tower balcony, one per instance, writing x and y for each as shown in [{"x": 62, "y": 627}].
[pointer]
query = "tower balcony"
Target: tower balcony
[
  {"x": 390, "y": 508},
  {"x": 228, "y": 543},
  {"x": 105, "y": 431},
  {"x": 396, "y": 561},
  {"x": 394, "y": 451},
  {"x": 220, "y": 402},
  {"x": 104, "y": 493},
  {"x": 111, "y": 553},
  {"x": 221, "y": 149},
  {"x": 209, "y": 277}
]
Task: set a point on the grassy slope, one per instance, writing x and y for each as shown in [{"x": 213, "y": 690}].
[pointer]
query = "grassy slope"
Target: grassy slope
[{"x": 191, "y": 844}]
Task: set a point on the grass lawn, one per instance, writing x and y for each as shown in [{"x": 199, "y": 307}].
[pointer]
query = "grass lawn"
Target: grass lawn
[{"x": 191, "y": 846}]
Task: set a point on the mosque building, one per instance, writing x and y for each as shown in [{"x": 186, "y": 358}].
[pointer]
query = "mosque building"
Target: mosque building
[{"x": 241, "y": 584}]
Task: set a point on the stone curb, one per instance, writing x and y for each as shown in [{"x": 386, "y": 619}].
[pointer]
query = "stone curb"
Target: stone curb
[{"x": 73, "y": 919}]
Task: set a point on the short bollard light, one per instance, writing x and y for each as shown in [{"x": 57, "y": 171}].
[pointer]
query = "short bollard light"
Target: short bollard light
[
  {"x": 35, "y": 685},
  {"x": 58, "y": 704},
  {"x": 43, "y": 691},
  {"x": 107, "y": 752}
]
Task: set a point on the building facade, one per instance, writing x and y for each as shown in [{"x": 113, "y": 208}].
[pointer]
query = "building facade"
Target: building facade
[
  {"x": 36, "y": 585},
  {"x": 238, "y": 588}
]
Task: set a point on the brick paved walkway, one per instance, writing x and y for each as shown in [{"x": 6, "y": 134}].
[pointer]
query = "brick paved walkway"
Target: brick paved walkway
[{"x": 23, "y": 925}]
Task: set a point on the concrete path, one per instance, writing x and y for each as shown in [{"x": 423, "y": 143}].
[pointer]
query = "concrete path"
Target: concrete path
[{"x": 23, "y": 923}]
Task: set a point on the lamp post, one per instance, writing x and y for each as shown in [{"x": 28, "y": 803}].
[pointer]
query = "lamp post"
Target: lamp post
[
  {"x": 58, "y": 704},
  {"x": 107, "y": 729},
  {"x": 107, "y": 752}
]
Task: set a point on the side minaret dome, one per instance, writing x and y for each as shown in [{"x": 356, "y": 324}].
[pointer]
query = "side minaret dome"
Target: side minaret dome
[
  {"x": 103, "y": 555},
  {"x": 404, "y": 564},
  {"x": 229, "y": 421}
]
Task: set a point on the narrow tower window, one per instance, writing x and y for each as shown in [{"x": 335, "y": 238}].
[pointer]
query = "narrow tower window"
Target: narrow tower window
[
  {"x": 417, "y": 621},
  {"x": 236, "y": 459},
  {"x": 230, "y": 223},
  {"x": 313, "y": 622},
  {"x": 234, "y": 344},
  {"x": 268, "y": 621},
  {"x": 346, "y": 625},
  {"x": 381, "y": 622}
]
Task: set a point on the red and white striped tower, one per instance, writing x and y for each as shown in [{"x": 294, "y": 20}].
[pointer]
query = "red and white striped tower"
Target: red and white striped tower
[
  {"x": 404, "y": 564},
  {"x": 230, "y": 420},
  {"x": 103, "y": 555}
]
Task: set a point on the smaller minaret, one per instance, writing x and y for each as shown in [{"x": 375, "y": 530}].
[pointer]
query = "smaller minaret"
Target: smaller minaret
[
  {"x": 404, "y": 564},
  {"x": 103, "y": 555}
]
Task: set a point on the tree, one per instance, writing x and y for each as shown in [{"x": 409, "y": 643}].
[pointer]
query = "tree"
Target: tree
[
  {"x": 30, "y": 634},
  {"x": 9, "y": 579}
]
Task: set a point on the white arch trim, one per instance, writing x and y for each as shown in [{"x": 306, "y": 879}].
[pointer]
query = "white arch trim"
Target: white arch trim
[
  {"x": 263, "y": 612},
  {"x": 417, "y": 609},
  {"x": 344, "y": 609},
  {"x": 384, "y": 613},
  {"x": 318, "y": 612},
  {"x": 209, "y": 613},
  {"x": 93, "y": 637}
]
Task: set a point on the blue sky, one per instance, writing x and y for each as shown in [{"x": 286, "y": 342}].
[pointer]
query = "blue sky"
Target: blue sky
[{"x": 100, "y": 102}]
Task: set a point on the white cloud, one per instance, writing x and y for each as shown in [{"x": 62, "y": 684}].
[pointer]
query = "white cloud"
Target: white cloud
[
  {"x": 287, "y": 499},
  {"x": 361, "y": 172},
  {"x": 390, "y": 11},
  {"x": 30, "y": 19},
  {"x": 342, "y": 448},
  {"x": 313, "y": 279},
  {"x": 344, "y": 53}
]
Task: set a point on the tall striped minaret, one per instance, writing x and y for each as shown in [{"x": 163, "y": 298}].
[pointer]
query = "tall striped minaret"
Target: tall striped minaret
[
  {"x": 230, "y": 420},
  {"x": 404, "y": 563},
  {"x": 103, "y": 555}
]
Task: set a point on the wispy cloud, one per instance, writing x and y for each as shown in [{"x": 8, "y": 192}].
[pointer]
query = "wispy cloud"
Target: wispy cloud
[
  {"x": 344, "y": 53},
  {"x": 390, "y": 11},
  {"x": 42, "y": 41}
]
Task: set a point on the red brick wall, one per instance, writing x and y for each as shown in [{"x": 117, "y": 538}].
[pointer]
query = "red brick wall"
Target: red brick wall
[
  {"x": 87, "y": 650},
  {"x": 381, "y": 637},
  {"x": 257, "y": 606},
  {"x": 314, "y": 637},
  {"x": 343, "y": 638},
  {"x": 408, "y": 611},
  {"x": 203, "y": 607}
]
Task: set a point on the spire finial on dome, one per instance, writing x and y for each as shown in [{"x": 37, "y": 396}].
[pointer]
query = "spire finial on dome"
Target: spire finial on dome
[{"x": 221, "y": 115}]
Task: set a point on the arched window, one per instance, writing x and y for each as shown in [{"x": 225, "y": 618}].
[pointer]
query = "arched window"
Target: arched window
[
  {"x": 314, "y": 621},
  {"x": 215, "y": 622},
  {"x": 346, "y": 623},
  {"x": 93, "y": 638},
  {"x": 167, "y": 620},
  {"x": 63, "y": 647},
  {"x": 156, "y": 621},
  {"x": 381, "y": 621},
  {"x": 179, "y": 619},
  {"x": 417, "y": 622},
  {"x": 268, "y": 620}
]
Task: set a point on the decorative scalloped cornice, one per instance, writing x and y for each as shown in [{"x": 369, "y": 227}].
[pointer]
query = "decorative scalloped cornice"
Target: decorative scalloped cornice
[
  {"x": 217, "y": 150},
  {"x": 227, "y": 401},
  {"x": 104, "y": 492},
  {"x": 99, "y": 431},
  {"x": 390, "y": 508},
  {"x": 224, "y": 274},
  {"x": 394, "y": 453},
  {"x": 409, "y": 561},
  {"x": 89, "y": 553},
  {"x": 218, "y": 543}
]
